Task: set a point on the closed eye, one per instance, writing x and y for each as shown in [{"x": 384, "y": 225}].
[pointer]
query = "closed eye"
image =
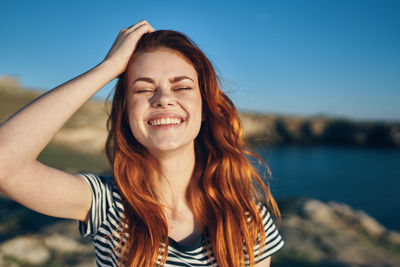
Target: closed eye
[
  {"x": 144, "y": 91},
  {"x": 182, "y": 89},
  {"x": 151, "y": 91}
]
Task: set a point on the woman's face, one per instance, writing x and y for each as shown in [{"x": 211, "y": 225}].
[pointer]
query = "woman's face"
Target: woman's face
[{"x": 164, "y": 101}]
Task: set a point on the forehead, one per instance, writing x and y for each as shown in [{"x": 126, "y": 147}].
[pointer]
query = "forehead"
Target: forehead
[{"x": 162, "y": 63}]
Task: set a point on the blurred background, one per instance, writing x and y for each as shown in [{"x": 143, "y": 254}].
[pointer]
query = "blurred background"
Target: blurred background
[{"x": 317, "y": 85}]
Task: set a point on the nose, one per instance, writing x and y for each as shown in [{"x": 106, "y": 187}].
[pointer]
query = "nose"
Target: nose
[{"x": 163, "y": 98}]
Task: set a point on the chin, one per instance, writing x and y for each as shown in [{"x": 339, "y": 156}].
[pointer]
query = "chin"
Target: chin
[{"x": 168, "y": 147}]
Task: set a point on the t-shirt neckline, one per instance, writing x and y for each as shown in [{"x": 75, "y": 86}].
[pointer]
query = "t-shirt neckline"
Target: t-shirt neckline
[{"x": 186, "y": 248}]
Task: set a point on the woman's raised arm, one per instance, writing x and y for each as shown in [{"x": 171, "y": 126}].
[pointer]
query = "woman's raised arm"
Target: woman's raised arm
[{"x": 25, "y": 134}]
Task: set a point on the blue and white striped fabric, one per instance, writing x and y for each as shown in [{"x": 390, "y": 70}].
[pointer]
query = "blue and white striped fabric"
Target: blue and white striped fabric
[{"x": 106, "y": 214}]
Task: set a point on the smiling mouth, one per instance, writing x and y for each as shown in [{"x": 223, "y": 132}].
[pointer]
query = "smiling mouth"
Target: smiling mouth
[{"x": 165, "y": 121}]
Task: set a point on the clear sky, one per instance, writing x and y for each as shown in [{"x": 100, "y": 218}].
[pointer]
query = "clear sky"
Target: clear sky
[{"x": 338, "y": 58}]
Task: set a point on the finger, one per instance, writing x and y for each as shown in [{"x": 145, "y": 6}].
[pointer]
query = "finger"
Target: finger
[
  {"x": 146, "y": 23},
  {"x": 146, "y": 28},
  {"x": 137, "y": 25},
  {"x": 143, "y": 29}
]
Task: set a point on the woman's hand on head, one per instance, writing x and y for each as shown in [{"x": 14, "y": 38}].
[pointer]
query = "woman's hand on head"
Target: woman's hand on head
[{"x": 125, "y": 44}]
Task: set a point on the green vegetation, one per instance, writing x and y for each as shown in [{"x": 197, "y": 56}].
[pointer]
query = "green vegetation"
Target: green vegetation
[{"x": 68, "y": 159}]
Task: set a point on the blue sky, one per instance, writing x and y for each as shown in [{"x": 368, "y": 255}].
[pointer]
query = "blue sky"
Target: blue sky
[{"x": 338, "y": 58}]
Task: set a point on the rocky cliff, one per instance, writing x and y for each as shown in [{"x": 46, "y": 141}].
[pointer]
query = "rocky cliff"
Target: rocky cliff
[{"x": 264, "y": 129}]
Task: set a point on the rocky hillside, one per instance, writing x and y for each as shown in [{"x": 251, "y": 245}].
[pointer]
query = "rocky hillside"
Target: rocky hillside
[
  {"x": 263, "y": 129},
  {"x": 86, "y": 131},
  {"x": 315, "y": 234}
]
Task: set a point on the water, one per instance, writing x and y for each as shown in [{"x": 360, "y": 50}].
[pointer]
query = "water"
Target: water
[{"x": 364, "y": 178}]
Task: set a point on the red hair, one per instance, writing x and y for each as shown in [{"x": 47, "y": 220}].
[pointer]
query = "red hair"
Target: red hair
[{"x": 221, "y": 193}]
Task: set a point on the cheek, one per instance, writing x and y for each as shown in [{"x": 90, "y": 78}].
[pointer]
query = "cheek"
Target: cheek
[
  {"x": 135, "y": 114},
  {"x": 194, "y": 102},
  {"x": 196, "y": 112},
  {"x": 198, "y": 106},
  {"x": 136, "y": 108}
]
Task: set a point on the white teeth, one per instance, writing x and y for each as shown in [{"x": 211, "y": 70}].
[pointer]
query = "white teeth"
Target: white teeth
[{"x": 165, "y": 121}]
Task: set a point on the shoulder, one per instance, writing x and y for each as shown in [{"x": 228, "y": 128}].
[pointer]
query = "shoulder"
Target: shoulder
[
  {"x": 267, "y": 219},
  {"x": 97, "y": 179},
  {"x": 106, "y": 203},
  {"x": 104, "y": 190},
  {"x": 100, "y": 183},
  {"x": 273, "y": 239},
  {"x": 264, "y": 212}
]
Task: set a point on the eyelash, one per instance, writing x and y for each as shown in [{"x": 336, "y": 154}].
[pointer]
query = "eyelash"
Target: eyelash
[
  {"x": 182, "y": 88},
  {"x": 151, "y": 90}
]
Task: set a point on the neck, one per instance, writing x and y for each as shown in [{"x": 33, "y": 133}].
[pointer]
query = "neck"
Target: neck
[{"x": 177, "y": 167}]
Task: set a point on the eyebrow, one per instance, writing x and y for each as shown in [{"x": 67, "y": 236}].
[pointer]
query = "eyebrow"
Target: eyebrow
[{"x": 173, "y": 80}]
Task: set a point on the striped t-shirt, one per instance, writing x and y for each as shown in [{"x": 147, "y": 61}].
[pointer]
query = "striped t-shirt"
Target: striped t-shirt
[{"x": 107, "y": 212}]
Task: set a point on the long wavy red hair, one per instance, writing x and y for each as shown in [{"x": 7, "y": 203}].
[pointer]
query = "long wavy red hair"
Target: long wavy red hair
[{"x": 223, "y": 190}]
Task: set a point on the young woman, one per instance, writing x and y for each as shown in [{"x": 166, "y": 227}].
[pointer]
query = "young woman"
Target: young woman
[{"x": 182, "y": 192}]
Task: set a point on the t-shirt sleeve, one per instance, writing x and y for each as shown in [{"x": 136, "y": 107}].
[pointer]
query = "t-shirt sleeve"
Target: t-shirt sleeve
[
  {"x": 101, "y": 188},
  {"x": 273, "y": 240}
]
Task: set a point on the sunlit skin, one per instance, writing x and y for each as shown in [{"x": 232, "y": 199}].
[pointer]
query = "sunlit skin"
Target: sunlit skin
[
  {"x": 154, "y": 94},
  {"x": 164, "y": 84}
]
